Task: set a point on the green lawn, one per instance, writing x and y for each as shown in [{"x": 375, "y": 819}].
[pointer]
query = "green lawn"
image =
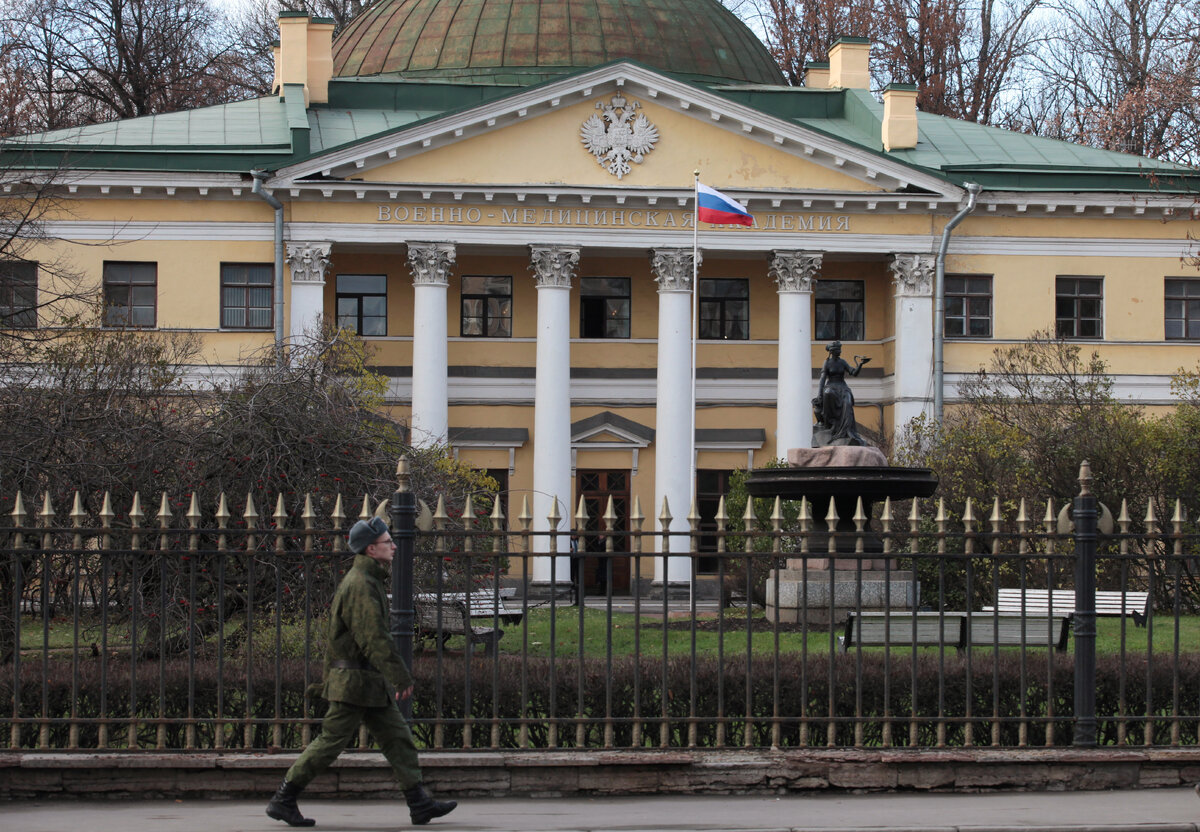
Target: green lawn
[{"x": 534, "y": 635}]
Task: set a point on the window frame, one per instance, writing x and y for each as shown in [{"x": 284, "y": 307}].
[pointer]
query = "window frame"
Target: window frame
[
  {"x": 1184, "y": 319},
  {"x": 1076, "y": 298},
  {"x": 840, "y": 322},
  {"x": 339, "y": 295},
  {"x": 108, "y": 284},
  {"x": 966, "y": 295},
  {"x": 14, "y": 313},
  {"x": 486, "y": 317},
  {"x": 245, "y": 307},
  {"x": 723, "y": 319},
  {"x": 588, "y": 302}
]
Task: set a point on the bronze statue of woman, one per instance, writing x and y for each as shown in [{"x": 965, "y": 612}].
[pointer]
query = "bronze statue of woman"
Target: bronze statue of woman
[{"x": 834, "y": 404}]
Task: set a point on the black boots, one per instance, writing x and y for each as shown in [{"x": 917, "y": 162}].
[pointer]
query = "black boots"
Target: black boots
[
  {"x": 422, "y": 808},
  {"x": 283, "y": 806}
]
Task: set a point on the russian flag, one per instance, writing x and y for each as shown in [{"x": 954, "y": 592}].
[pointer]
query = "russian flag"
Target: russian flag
[{"x": 714, "y": 207}]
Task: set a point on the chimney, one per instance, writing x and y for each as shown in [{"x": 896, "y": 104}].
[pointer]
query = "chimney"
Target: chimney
[
  {"x": 275, "y": 85},
  {"x": 320, "y": 58},
  {"x": 899, "y": 116},
  {"x": 849, "y": 64},
  {"x": 816, "y": 75},
  {"x": 305, "y": 55}
]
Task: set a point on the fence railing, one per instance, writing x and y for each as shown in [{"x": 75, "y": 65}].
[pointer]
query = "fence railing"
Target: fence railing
[{"x": 201, "y": 630}]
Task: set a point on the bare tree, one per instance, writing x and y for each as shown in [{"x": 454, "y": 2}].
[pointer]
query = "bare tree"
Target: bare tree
[
  {"x": 90, "y": 60},
  {"x": 966, "y": 59},
  {"x": 1122, "y": 75}
]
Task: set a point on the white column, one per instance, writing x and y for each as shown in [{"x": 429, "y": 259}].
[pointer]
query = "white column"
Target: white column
[
  {"x": 793, "y": 272},
  {"x": 913, "y": 373},
  {"x": 307, "y": 263},
  {"x": 430, "y": 264},
  {"x": 674, "y": 442},
  {"x": 553, "y": 268}
]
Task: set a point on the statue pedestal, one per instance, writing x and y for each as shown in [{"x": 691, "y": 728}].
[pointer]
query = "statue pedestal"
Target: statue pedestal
[
  {"x": 804, "y": 595},
  {"x": 820, "y": 590}
]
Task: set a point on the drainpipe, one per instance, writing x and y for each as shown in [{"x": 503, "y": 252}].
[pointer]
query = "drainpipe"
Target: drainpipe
[
  {"x": 269, "y": 198},
  {"x": 939, "y": 309}
]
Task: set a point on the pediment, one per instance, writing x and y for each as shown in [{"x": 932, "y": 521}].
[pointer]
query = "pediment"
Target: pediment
[
  {"x": 609, "y": 430},
  {"x": 532, "y": 139}
]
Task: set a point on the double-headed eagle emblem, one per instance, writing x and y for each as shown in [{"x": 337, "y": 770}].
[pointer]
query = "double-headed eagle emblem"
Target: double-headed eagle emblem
[{"x": 622, "y": 136}]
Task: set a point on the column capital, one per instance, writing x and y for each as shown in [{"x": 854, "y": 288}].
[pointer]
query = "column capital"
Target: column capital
[
  {"x": 430, "y": 263},
  {"x": 793, "y": 271},
  {"x": 553, "y": 266},
  {"x": 308, "y": 262},
  {"x": 672, "y": 268},
  {"x": 912, "y": 274}
]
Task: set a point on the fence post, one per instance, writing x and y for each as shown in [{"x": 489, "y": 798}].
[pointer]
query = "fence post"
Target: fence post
[
  {"x": 1085, "y": 610},
  {"x": 404, "y": 523}
]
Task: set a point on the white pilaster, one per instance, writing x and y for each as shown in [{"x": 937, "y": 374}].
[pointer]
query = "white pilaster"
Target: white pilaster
[
  {"x": 793, "y": 272},
  {"x": 430, "y": 264},
  {"x": 913, "y": 389},
  {"x": 553, "y": 268},
  {"x": 674, "y": 441},
  {"x": 307, "y": 263}
]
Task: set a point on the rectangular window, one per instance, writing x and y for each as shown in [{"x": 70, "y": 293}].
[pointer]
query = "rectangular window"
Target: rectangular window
[
  {"x": 968, "y": 306},
  {"x": 1182, "y": 319},
  {"x": 130, "y": 294},
  {"x": 247, "y": 295},
  {"x": 1077, "y": 306},
  {"x": 362, "y": 303},
  {"x": 839, "y": 309},
  {"x": 18, "y": 295},
  {"x": 724, "y": 309},
  {"x": 604, "y": 307},
  {"x": 486, "y": 306}
]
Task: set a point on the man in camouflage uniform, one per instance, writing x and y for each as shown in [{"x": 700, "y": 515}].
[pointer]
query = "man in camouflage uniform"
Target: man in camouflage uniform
[{"x": 365, "y": 678}]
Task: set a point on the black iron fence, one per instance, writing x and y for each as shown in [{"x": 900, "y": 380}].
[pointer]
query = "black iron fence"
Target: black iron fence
[{"x": 198, "y": 629}]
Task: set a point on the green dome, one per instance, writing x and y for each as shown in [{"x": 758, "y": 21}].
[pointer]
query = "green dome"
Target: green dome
[{"x": 529, "y": 41}]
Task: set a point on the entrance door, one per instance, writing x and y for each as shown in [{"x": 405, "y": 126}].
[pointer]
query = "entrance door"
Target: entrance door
[{"x": 595, "y": 487}]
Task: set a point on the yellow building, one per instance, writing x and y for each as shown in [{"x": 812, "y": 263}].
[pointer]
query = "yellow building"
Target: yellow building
[{"x": 499, "y": 198}]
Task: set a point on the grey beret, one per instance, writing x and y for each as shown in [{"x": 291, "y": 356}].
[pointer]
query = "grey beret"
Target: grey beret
[{"x": 364, "y": 533}]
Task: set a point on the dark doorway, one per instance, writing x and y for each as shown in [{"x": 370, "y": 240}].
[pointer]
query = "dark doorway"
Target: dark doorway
[
  {"x": 602, "y": 573},
  {"x": 711, "y": 484}
]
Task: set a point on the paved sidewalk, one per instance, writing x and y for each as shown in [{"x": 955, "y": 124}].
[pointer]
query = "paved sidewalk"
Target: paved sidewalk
[{"x": 1148, "y": 810}]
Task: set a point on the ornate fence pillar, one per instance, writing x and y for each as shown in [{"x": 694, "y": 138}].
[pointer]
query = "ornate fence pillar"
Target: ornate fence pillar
[
  {"x": 430, "y": 264},
  {"x": 913, "y": 371},
  {"x": 554, "y": 268},
  {"x": 307, "y": 263},
  {"x": 674, "y": 441},
  {"x": 793, "y": 272},
  {"x": 1084, "y": 619}
]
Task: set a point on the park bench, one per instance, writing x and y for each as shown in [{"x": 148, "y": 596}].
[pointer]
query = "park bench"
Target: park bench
[
  {"x": 483, "y": 604},
  {"x": 1133, "y": 603},
  {"x": 902, "y": 628},
  {"x": 954, "y": 629},
  {"x": 1003, "y": 629},
  {"x": 450, "y": 618}
]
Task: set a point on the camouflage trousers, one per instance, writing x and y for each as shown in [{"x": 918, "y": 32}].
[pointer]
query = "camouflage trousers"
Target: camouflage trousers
[{"x": 340, "y": 726}]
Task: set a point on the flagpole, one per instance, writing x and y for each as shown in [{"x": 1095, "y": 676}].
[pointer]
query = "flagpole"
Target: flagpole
[
  {"x": 695, "y": 338},
  {"x": 695, "y": 329}
]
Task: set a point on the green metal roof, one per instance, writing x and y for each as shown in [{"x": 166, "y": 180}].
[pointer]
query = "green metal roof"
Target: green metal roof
[
  {"x": 254, "y": 122},
  {"x": 529, "y": 41},
  {"x": 276, "y": 131}
]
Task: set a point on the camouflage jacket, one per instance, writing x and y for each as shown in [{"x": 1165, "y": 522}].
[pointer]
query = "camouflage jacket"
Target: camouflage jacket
[{"x": 359, "y": 637}]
